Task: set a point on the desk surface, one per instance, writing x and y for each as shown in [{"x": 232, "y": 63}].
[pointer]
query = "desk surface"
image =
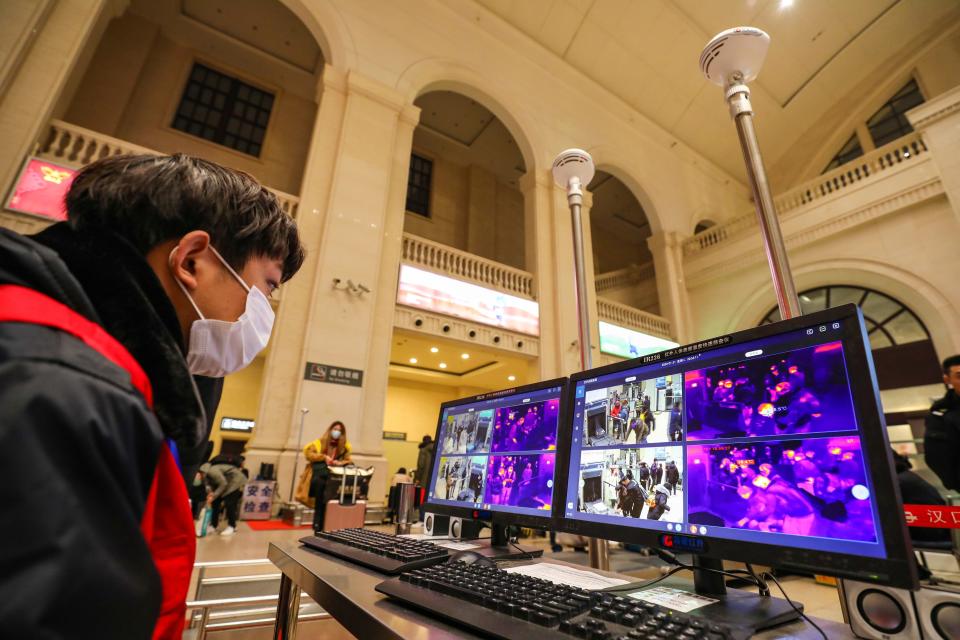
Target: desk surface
[{"x": 346, "y": 591}]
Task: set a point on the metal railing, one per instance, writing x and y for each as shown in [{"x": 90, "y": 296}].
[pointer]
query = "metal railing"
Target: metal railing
[
  {"x": 438, "y": 257},
  {"x": 75, "y": 146},
  {"x": 624, "y": 277},
  {"x": 627, "y": 316},
  {"x": 902, "y": 150},
  {"x": 221, "y": 614}
]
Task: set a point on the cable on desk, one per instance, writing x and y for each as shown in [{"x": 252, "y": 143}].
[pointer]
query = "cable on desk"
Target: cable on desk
[{"x": 795, "y": 608}]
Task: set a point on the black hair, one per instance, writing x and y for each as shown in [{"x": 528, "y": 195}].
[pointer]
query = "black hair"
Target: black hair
[
  {"x": 426, "y": 439},
  {"x": 402, "y": 470},
  {"x": 150, "y": 199},
  {"x": 952, "y": 361}
]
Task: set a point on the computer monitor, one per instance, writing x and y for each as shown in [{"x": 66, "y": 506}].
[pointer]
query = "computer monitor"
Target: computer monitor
[
  {"x": 495, "y": 455},
  {"x": 765, "y": 446}
]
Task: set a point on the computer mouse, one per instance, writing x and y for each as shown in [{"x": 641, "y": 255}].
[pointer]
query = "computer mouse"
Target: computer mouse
[{"x": 472, "y": 557}]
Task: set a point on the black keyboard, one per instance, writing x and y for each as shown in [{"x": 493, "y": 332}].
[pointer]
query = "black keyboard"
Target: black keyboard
[
  {"x": 499, "y": 604},
  {"x": 383, "y": 552}
]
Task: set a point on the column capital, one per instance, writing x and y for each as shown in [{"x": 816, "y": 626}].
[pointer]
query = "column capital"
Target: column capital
[
  {"x": 943, "y": 106},
  {"x": 358, "y": 84},
  {"x": 664, "y": 240}
]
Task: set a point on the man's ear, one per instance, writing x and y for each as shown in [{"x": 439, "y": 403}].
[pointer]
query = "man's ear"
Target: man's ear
[{"x": 183, "y": 261}]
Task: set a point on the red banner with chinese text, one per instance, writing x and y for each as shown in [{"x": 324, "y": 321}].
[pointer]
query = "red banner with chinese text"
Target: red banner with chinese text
[{"x": 932, "y": 515}]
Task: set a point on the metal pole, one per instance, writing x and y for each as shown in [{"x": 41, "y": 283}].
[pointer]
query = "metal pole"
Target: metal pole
[
  {"x": 598, "y": 550},
  {"x": 296, "y": 456},
  {"x": 738, "y": 97},
  {"x": 288, "y": 610},
  {"x": 407, "y": 496}
]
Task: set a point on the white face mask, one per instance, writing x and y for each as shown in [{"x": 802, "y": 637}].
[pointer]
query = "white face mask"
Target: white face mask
[
  {"x": 218, "y": 347},
  {"x": 335, "y": 434}
]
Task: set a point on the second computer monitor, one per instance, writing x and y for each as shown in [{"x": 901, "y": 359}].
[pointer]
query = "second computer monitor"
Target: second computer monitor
[{"x": 496, "y": 454}]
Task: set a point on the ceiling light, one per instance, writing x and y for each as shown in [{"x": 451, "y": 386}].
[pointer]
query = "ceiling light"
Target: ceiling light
[
  {"x": 465, "y": 356},
  {"x": 785, "y": 4},
  {"x": 443, "y": 365},
  {"x": 434, "y": 349},
  {"x": 413, "y": 361},
  {"x": 511, "y": 378}
]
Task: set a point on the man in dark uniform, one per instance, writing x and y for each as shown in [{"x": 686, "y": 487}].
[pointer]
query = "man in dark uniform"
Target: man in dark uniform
[
  {"x": 941, "y": 441},
  {"x": 673, "y": 476},
  {"x": 643, "y": 473}
]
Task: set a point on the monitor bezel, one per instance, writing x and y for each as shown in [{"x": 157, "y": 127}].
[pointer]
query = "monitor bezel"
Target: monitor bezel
[
  {"x": 898, "y": 569},
  {"x": 488, "y": 515}
]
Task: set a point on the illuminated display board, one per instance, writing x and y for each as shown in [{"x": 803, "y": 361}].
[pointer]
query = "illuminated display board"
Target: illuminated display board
[
  {"x": 627, "y": 343},
  {"x": 41, "y": 188},
  {"x": 439, "y": 294}
]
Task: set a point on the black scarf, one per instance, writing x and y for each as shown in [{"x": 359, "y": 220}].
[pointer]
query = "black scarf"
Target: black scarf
[{"x": 134, "y": 309}]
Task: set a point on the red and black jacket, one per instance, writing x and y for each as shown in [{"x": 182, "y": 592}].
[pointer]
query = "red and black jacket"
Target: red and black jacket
[{"x": 96, "y": 537}]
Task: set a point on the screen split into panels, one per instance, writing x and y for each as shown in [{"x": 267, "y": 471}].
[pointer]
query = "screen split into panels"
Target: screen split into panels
[{"x": 766, "y": 445}]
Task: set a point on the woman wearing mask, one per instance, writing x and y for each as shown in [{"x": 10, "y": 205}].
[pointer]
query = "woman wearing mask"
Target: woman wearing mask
[{"x": 329, "y": 450}]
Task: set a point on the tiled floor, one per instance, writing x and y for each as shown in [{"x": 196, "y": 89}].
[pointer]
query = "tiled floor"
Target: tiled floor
[{"x": 819, "y": 600}]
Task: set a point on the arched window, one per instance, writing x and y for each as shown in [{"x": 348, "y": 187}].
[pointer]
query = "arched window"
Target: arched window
[
  {"x": 703, "y": 225},
  {"x": 889, "y": 322},
  {"x": 903, "y": 353}
]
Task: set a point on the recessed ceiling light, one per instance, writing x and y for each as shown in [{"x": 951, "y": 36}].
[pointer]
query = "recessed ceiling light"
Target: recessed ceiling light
[
  {"x": 413, "y": 361},
  {"x": 511, "y": 378},
  {"x": 443, "y": 365},
  {"x": 434, "y": 349},
  {"x": 785, "y": 4},
  {"x": 465, "y": 356}
]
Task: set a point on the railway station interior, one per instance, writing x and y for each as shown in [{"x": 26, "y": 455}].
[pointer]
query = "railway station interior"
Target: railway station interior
[{"x": 413, "y": 143}]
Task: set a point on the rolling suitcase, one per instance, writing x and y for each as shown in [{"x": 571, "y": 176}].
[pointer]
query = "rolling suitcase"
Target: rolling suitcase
[{"x": 347, "y": 512}]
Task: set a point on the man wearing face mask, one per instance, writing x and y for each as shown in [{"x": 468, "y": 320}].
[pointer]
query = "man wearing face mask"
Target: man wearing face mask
[{"x": 162, "y": 270}]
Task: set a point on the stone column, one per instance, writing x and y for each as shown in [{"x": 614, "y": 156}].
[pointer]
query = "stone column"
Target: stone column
[
  {"x": 938, "y": 120},
  {"x": 667, "y": 251},
  {"x": 43, "y": 44},
  {"x": 549, "y": 255},
  {"x": 351, "y": 215}
]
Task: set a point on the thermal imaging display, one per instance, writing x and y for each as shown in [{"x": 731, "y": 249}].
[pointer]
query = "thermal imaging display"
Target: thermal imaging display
[
  {"x": 802, "y": 391},
  {"x": 499, "y": 453},
  {"x": 757, "y": 441}
]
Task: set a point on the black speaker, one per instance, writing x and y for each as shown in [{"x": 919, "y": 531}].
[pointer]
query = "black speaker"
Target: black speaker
[
  {"x": 461, "y": 529},
  {"x": 436, "y": 525},
  {"x": 873, "y": 611}
]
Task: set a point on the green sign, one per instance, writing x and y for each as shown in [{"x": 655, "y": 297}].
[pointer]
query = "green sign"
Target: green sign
[{"x": 394, "y": 435}]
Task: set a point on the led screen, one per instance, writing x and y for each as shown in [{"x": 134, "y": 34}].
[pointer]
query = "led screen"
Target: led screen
[
  {"x": 627, "y": 343},
  {"x": 440, "y": 294}
]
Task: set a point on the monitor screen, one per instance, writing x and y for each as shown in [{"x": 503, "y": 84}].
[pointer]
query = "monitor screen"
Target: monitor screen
[
  {"x": 496, "y": 452},
  {"x": 757, "y": 437}
]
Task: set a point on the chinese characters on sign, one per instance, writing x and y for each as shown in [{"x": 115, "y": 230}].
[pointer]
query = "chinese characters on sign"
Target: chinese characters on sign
[
  {"x": 41, "y": 188},
  {"x": 935, "y": 516},
  {"x": 333, "y": 375},
  {"x": 257, "y": 499}
]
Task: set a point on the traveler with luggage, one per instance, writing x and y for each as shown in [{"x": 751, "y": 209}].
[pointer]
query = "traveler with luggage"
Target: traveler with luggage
[{"x": 329, "y": 450}]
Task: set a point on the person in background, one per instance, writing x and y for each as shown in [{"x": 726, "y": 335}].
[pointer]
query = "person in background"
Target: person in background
[
  {"x": 421, "y": 475},
  {"x": 226, "y": 483},
  {"x": 197, "y": 490},
  {"x": 916, "y": 490},
  {"x": 160, "y": 272},
  {"x": 330, "y": 450},
  {"x": 401, "y": 476},
  {"x": 941, "y": 440}
]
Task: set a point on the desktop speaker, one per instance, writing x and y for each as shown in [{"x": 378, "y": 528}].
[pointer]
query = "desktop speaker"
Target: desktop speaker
[
  {"x": 464, "y": 529},
  {"x": 938, "y": 608},
  {"x": 436, "y": 525},
  {"x": 873, "y": 611}
]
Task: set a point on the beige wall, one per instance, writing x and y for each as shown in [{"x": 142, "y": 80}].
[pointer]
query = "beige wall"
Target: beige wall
[
  {"x": 134, "y": 83},
  {"x": 240, "y": 399},
  {"x": 470, "y": 209}
]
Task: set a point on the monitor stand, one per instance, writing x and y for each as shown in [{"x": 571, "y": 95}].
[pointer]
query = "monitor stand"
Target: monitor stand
[
  {"x": 736, "y": 607},
  {"x": 499, "y": 547}
]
